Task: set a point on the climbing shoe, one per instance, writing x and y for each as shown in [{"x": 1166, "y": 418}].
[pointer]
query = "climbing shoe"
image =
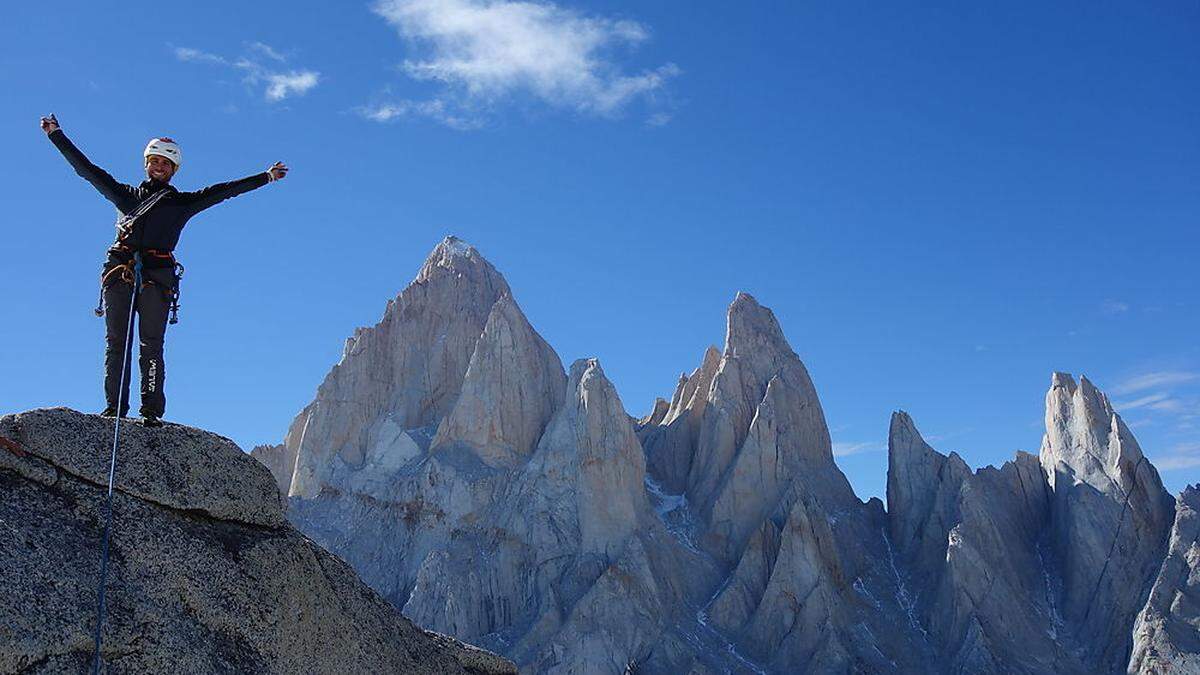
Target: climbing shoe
[
  {"x": 110, "y": 412},
  {"x": 151, "y": 421}
]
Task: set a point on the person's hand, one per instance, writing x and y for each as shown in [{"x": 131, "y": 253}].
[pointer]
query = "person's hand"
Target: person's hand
[
  {"x": 49, "y": 124},
  {"x": 278, "y": 170}
]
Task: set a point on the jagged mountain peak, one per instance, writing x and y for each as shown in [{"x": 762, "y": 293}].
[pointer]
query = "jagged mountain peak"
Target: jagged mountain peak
[
  {"x": 577, "y": 508},
  {"x": 1097, "y": 474},
  {"x": 513, "y": 384},
  {"x": 1064, "y": 380},
  {"x": 906, "y": 445},
  {"x": 1085, "y": 437},
  {"x": 751, "y": 327},
  {"x": 658, "y": 412},
  {"x": 589, "y": 366},
  {"x": 902, "y": 426},
  {"x": 455, "y": 257},
  {"x": 922, "y": 490},
  {"x": 1083, "y": 397}
]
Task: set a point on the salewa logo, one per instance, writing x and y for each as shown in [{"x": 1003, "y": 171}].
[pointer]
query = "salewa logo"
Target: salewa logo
[{"x": 152, "y": 376}]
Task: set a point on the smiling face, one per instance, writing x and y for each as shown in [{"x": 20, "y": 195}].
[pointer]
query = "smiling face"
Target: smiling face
[{"x": 159, "y": 168}]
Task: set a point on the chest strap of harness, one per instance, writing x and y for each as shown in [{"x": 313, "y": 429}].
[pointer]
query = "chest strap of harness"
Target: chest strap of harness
[{"x": 126, "y": 222}]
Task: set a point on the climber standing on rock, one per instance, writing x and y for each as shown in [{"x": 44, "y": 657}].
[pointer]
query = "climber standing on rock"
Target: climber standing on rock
[{"x": 152, "y": 216}]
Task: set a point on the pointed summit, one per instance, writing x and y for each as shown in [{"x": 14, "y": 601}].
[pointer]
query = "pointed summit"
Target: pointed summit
[
  {"x": 513, "y": 384},
  {"x": 922, "y": 492},
  {"x": 455, "y": 257},
  {"x": 751, "y": 327},
  {"x": 1110, "y": 517},
  {"x": 398, "y": 377},
  {"x": 590, "y": 458},
  {"x": 670, "y": 445},
  {"x": 1086, "y": 439},
  {"x": 756, "y": 353}
]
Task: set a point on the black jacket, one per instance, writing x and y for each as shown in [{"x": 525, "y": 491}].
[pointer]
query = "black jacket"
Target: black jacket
[{"x": 159, "y": 229}]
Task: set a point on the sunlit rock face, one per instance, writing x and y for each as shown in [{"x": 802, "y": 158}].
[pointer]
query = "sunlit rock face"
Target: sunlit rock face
[
  {"x": 399, "y": 379},
  {"x": 1109, "y": 518},
  {"x": 500, "y": 499}
]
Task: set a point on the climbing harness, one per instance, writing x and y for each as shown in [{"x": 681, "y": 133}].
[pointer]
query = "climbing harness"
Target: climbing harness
[
  {"x": 124, "y": 231},
  {"x": 112, "y": 466},
  {"x": 124, "y": 273}
]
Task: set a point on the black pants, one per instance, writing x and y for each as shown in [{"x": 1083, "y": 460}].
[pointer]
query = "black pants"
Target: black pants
[{"x": 152, "y": 306}]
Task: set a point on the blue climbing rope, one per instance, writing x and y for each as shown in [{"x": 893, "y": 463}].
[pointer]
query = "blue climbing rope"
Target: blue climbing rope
[{"x": 112, "y": 466}]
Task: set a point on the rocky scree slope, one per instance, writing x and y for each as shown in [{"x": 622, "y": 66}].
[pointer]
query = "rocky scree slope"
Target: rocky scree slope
[
  {"x": 205, "y": 573},
  {"x": 499, "y": 498}
]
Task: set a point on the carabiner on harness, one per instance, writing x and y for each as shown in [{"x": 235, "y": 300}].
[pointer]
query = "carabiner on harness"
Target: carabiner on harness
[
  {"x": 175, "y": 295},
  {"x": 128, "y": 274}
]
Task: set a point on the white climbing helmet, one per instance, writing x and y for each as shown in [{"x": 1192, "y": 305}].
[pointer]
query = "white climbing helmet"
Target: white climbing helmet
[{"x": 164, "y": 147}]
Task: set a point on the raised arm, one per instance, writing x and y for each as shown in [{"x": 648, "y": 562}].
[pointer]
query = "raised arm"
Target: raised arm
[
  {"x": 121, "y": 195},
  {"x": 215, "y": 194}
]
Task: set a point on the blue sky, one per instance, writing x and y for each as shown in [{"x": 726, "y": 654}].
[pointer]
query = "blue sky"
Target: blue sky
[{"x": 942, "y": 203}]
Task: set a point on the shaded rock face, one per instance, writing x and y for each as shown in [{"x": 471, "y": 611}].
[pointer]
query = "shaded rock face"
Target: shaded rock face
[
  {"x": 968, "y": 546},
  {"x": 1043, "y": 564},
  {"x": 205, "y": 575},
  {"x": 522, "y": 508},
  {"x": 669, "y": 442},
  {"x": 1166, "y": 636}
]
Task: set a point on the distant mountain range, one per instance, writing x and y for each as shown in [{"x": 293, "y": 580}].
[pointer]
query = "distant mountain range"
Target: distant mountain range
[{"x": 497, "y": 497}]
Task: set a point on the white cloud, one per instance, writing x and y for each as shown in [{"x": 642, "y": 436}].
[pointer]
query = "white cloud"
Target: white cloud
[
  {"x": 435, "y": 109},
  {"x": 278, "y": 85},
  {"x": 1154, "y": 380},
  {"x": 846, "y": 449},
  {"x": 195, "y": 55},
  {"x": 282, "y": 85},
  {"x": 268, "y": 51},
  {"x": 485, "y": 51}
]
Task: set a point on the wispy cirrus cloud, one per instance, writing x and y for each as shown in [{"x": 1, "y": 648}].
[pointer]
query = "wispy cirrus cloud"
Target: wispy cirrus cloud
[
  {"x": 1154, "y": 380},
  {"x": 434, "y": 109},
  {"x": 277, "y": 84},
  {"x": 1182, "y": 456},
  {"x": 1168, "y": 401},
  {"x": 846, "y": 449},
  {"x": 1142, "y": 402},
  {"x": 485, "y": 52},
  {"x": 1173, "y": 402},
  {"x": 268, "y": 51}
]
